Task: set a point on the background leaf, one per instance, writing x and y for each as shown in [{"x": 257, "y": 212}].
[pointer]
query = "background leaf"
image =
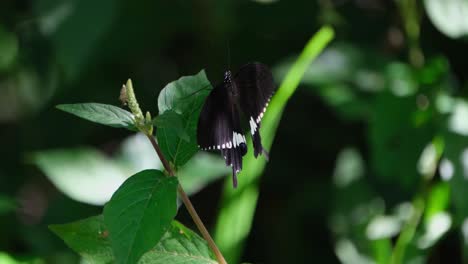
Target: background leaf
[
  {"x": 99, "y": 176},
  {"x": 396, "y": 138},
  {"x": 63, "y": 22},
  {"x": 7, "y": 204},
  {"x": 200, "y": 171},
  {"x": 102, "y": 114},
  {"x": 184, "y": 96},
  {"x": 449, "y": 16},
  {"x": 139, "y": 213},
  {"x": 8, "y": 48},
  {"x": 88, "y": 237},
  {"x": 84, "y": 174}
]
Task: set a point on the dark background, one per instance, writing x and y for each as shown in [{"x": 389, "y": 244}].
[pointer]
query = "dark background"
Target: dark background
[{"x": 80, "y": 51}]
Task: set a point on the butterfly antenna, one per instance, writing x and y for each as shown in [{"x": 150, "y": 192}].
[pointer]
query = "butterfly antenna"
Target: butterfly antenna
[{"x": 229, "y": 55}]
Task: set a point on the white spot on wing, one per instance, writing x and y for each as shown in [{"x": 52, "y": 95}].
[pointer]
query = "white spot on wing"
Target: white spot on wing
[
  {"x": 234, "y": 139},
  {"x": 253, "y": 125}
]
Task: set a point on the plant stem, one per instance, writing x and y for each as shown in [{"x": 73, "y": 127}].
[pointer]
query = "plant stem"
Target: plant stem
[
  {"x": 188, "y": 204},
  {"x": 407, "y": 234},
  {"x": 411, "y": 16}
]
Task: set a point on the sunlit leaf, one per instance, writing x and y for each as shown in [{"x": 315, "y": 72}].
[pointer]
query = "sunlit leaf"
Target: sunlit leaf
[
  {"x": 184, "y": 96},
  {"x": 437, "y": 226},
  {"x": 348, "y": 253},
  {"x": 6, "y": 258},
  {"x": 179, "y": 245},
  {"x": 454, "y": 169},
  {"x": 349, "y": 167},
  {"x": 90, "y": 238},
  {"x": 139, "y": 213},
  {"x": 458, "y": 122},
  {"x": 136, "y": 154},
  {"x": 83, "y": 174},
  {"x": 400, "y": 79},
  {"x": 101, "y": 113},
  {"x": 448, "y": 16},
  {"x": 438, "y": 200},
  {"x": 87, "y": 237},
  {"x": 383, "y": 227}
]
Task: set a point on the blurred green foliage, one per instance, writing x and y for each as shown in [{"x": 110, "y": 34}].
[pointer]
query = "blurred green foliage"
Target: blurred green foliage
[{"x": 369, "y": 162}]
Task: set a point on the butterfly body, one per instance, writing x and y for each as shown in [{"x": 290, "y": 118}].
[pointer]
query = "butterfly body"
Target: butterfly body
[{"x": 244, "y": 95}]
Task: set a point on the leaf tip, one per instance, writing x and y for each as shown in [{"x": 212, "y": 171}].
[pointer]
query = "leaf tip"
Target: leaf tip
[
  {"x": 60, "y": 107},
  {"x": 54, "y": 228}
]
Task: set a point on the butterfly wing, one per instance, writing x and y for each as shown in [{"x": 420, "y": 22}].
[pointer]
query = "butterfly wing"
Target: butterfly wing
[
  {"x": 219, "y": 129},
  {"x": 255, "y": 84}
]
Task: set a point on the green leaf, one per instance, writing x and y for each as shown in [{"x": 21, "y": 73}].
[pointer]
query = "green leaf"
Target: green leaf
[
  {"x": 448, "y": 16},
  {"x": 170, "y": 120},
  {"x": 454, "y": 169},
  {"x": 344, "y": 76},
  {"x": 90, "y": 239},
  {"x": 104, "y": 114},
  {"x": 139, "y": 213},
  {"x": 87, "y": 237},
  {"x": 136, "y": 154},
  {"x": 62, "y": 22},
  {"x": 84, "y": 174},
  {"x": 8, "y": 49},
  {"x": 184, "y": 96},
  {"x": 6, "y": 258},
  {"x": 397, "y": 138},
  {"x": 438, "y": 200},
  {"x": 179, "y": 245},
  {"x": 7, "y": 204},
  {"x": 201, "y": 170}
]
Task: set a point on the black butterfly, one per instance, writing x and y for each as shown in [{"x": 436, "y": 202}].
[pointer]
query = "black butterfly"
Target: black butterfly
[{"x": 244, "y": 95}]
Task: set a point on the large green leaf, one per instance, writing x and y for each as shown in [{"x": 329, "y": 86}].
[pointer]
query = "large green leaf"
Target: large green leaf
[
  {"x": 101, "y": 113},
  {"x": 179, "y": 245},
  {"x": 84, "y": 174},
  {"x": 139, "y": 213},
  {"x": 184, "y": 96},
  {"x": 88, "y": 237}
]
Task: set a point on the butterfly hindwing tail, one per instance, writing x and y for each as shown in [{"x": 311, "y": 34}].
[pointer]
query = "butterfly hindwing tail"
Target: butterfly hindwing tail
[{"x": 256, "y": 86}]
